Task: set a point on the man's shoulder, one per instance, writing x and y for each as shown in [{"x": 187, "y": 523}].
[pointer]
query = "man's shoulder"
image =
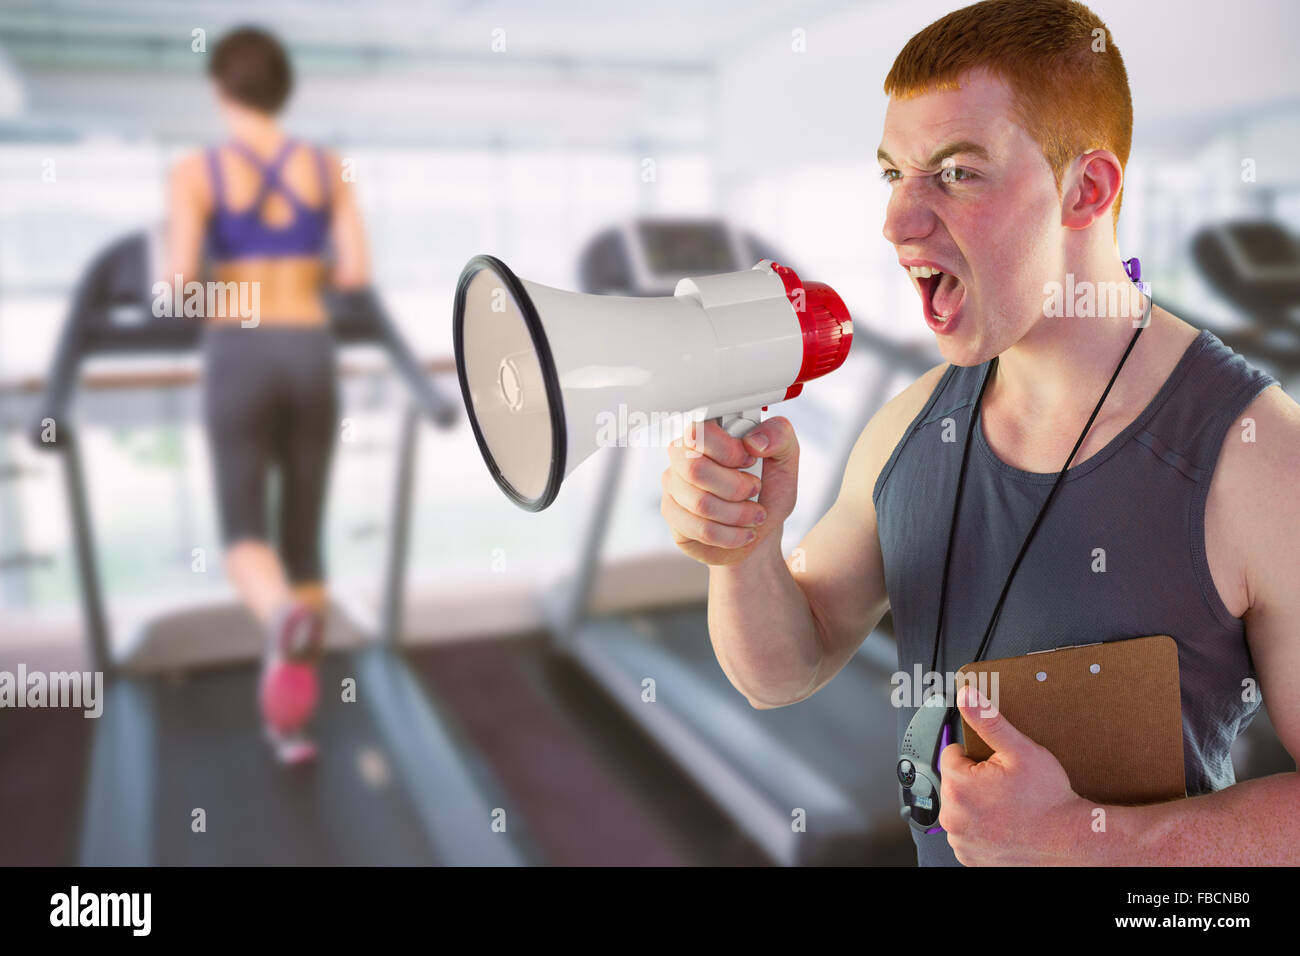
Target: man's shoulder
[
  {"x": 913, "y": 398},
  {"x": 886, "y": 428},
  {"x": 889, "y": 423},
  {"x": 1261, "y": 452},
  {"x": 1253, "y": 511}
]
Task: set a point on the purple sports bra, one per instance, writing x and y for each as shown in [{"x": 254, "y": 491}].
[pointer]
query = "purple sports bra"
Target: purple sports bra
[{"x": 243, "y": 235}]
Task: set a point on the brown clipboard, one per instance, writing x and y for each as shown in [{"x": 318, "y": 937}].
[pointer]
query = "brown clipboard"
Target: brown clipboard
[{"x": 1111, "y": 713}]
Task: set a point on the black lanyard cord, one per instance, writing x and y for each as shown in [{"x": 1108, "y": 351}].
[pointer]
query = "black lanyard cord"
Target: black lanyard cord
[
  {"x": 961, "y": 482},
  {"x": 956, "y": 508}
]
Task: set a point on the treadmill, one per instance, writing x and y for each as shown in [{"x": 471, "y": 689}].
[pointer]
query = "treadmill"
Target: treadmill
[
  {"x": 394, "y": 783},
  {"x": 830, "y": 756},
  {"x": 1255, "y": 266}
]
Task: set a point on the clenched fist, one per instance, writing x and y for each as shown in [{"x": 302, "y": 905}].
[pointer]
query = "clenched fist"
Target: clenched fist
[{"x": 706, "y": 494}]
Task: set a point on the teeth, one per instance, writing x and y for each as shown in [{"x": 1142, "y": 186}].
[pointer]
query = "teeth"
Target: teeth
[{"x": 923, "y": 272}]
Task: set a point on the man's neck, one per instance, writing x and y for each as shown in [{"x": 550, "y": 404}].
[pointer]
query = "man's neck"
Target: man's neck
[{"x": 1060, "y": 367}]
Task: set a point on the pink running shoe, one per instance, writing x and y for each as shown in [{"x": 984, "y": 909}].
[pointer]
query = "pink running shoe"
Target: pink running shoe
[{"x": 289, "y": 690}]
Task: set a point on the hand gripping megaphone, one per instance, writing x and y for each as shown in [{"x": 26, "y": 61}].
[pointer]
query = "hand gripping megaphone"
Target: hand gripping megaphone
[{"x": 540, "y": 368}]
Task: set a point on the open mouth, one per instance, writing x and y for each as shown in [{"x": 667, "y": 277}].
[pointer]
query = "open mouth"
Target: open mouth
[{"x": 941, "y": 292}]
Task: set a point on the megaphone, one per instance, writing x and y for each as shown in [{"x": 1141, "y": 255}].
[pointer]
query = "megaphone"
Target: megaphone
[{"x": 543, "y": 370}]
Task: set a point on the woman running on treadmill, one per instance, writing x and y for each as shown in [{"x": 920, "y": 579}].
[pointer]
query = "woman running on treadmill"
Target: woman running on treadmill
[{"x": 265, "y": 206}]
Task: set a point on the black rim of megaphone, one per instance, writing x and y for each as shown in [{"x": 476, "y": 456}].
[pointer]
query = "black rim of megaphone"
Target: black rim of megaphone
[{"x": 554, "y": 401}]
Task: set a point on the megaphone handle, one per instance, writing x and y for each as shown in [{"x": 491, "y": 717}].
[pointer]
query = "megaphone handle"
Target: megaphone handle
[{"x": 740, "y": 424}]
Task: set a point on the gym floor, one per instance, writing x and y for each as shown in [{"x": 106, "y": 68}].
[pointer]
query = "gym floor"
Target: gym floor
[
  {"x": 584, "y": 782},
  {"x": 590, "y": 787}
]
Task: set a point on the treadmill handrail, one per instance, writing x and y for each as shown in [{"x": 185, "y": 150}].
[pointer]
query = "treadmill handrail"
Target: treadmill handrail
[
  {"x": 182, "y": 377},
  {"x": 357, "y": 316},
  {"x": 440, "y": 408},
  {"x": 56, "y": 398}
]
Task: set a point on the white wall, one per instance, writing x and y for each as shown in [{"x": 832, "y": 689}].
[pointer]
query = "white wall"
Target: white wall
[{"x": 1187, "y": 62}]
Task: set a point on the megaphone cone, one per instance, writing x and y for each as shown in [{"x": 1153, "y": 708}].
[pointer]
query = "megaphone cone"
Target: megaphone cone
[{"x": 549, "y": 376}]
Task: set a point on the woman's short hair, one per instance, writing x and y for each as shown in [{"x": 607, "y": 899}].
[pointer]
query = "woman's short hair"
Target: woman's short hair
[{"x": 250, "y": 66}]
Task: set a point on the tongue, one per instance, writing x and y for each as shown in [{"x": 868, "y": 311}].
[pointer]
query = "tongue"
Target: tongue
[{"x": 948, "y": 293}]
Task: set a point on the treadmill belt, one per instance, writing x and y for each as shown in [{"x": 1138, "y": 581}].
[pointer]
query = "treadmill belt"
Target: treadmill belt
[
  {"x": 348, "y": 808},
  {"x": 846, "y": 731},
  {"x": 831, "y": 755}
]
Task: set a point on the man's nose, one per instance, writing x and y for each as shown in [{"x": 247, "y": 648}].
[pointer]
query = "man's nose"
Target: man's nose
[{"x": 908, "y": 215}]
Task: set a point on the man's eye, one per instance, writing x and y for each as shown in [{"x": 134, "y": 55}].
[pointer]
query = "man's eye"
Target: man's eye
[
  {"x": 955, "y": 174},
  {"x": 887, "y": 175}
]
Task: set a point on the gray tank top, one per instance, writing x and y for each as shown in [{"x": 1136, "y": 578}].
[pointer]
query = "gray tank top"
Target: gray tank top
[{"x": 1141, "y": 499}]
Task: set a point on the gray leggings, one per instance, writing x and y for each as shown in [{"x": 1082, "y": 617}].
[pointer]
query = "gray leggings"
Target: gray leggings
[{"x": 270, "y": 397}]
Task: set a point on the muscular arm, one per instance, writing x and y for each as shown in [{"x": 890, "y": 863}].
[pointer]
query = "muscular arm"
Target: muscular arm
[
  {"x": 1254, "y": 506},
  {"x": 781, "y": 630}
]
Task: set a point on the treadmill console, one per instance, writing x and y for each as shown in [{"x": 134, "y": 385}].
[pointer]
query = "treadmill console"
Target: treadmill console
[{"x": 647, "y": 256}]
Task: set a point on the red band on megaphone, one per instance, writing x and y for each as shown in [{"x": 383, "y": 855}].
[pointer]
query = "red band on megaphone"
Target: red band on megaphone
[{"x": 826, "y": 324}]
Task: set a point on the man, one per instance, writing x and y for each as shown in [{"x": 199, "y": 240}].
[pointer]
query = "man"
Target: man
[{"x": 1005, "y": 141}]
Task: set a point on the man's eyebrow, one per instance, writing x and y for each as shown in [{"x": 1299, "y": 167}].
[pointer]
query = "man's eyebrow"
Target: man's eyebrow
[{"x": 942, "y": 153}]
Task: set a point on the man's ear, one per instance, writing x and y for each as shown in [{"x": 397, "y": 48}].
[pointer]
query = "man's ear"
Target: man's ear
[{"x": 1090, "y": 189}]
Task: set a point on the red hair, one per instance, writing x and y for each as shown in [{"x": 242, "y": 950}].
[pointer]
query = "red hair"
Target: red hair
[{"x": 1067, "y": 79}]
